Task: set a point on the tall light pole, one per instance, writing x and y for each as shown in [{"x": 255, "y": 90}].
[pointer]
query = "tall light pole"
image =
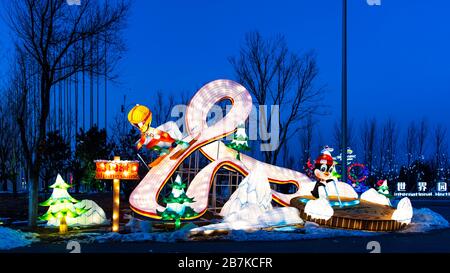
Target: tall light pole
[{"x": 344, "y": 91}]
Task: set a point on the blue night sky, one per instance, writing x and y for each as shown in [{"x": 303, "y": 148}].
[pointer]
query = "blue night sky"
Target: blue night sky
[{"x": 398, "y": 52}]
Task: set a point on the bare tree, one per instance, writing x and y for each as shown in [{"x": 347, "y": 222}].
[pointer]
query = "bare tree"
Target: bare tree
[
  {"x": 7, "y": 130},
  {"x": 162, "y": 107},
  {"x": 368, "y": 140},
  {"x": 387, "y": 150},
  {"x": 422, "y": 136},
  {"x": 411, "y": 142},
  {"x": 306, "y": 139},
  {"x": 276, "y": 76},
  {"x": 440, "y": 145},
  {"x": 47, "y": 32}
]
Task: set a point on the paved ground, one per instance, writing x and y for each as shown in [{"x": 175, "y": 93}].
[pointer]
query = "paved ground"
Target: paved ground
[{"x": 436, "y": 241}]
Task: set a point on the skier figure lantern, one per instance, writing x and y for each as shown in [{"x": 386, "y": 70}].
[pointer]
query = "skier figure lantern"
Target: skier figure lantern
[{"x": 152, "y": 138}]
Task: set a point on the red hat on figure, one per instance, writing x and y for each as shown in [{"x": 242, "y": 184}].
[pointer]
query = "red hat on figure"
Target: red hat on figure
[{"x": 325, "y": 157}]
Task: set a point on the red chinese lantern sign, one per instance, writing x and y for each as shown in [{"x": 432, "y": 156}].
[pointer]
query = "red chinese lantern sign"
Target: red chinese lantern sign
[{"x": 123, "y": 170}]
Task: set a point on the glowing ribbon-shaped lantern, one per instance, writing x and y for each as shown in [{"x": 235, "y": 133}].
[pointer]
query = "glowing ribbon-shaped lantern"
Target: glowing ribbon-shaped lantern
[{"x": 143, "y": 199}]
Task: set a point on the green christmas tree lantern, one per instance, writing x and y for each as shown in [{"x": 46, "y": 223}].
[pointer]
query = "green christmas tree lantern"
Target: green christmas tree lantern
[
  {"x": 239, "y": 142},
  {"x": 336, "y": 173},
  {"x": 61, "y": 206},
  {"x": 177, "y": 204},
  {"x": 384, "y": 189}
]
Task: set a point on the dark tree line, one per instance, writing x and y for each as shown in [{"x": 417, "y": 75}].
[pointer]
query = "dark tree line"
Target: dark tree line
[
  {"x": 417, "y": 152},
  {"x": 55, "y": 42}
]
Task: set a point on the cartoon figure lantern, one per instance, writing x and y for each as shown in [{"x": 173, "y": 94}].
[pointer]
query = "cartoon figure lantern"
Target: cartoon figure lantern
[{"x": 152, "y": 138}]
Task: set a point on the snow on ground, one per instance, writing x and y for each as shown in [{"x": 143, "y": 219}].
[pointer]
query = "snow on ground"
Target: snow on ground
[
  {"x": 312, "y": 231},
  {"x": 178, "y": 235},
  {"x": 10, "y": 238},
  {"x": 424, "y": 220}
]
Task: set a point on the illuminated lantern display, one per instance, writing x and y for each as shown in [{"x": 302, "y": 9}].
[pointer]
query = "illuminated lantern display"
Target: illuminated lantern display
[
  {"x": 177, "y": 204},
  {"x": 116, "y": 170},
  {"x": 61, "y": 206},
  {"x": 383, "y": 188},
  {"x": 357, "y": 174},
  {"x": 207, "y": 138},
  {"x": 309, "y": 169}
]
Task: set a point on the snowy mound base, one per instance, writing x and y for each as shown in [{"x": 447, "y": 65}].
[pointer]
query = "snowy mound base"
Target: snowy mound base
[
  {"x": 95, "y": 216},
  {"x": 10, "y": 238},
  {"x": 424, "y": 220},
  {"x": 277, "y": 217},
  {"x": 179, "y": 235}
]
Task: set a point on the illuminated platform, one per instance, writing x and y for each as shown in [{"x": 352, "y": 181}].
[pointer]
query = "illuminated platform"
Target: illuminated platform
[{"x": 362, "y": 216}]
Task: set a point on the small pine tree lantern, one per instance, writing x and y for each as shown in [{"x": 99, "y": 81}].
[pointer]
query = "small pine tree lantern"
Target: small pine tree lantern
[
  {"x": 239, "y": 142},
  {"x": 384, "y": 189},
  {"x": 177, "y": 204},
  {"x": 61, "y": 205}
]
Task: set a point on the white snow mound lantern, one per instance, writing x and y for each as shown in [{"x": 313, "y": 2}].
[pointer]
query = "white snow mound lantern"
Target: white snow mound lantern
[
  {"x": 373, "y": 196},
  {"x": 319, "y": 209},
  {"x": 252, "y": 198},
  {"x": 250, "y": 208},
  {"x": 404, "y": 211},
  {"x": 280, "y": 217},
  {"x": 94, "y": 216}
]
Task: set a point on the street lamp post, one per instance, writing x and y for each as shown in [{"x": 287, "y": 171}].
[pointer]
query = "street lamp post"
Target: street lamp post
[{"x": 344, "y": 91}]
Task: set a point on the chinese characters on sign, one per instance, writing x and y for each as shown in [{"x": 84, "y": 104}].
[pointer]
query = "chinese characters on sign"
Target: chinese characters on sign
[
  {"x": 442, "y": 186},
  {"x": 116, "y": 170},
  {"x": 124, "y": 170},
  {"x": 401, "y": 186},
  {"x": 73, "y": 2},
  {"x": 423, "y": 189},
  {"x": 374, "y": 2},
  {"x": 422, "y": 186}
]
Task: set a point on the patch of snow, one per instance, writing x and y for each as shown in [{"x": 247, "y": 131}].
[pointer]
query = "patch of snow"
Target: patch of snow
[
  {"x": 10, "y": 238},
  {"x": 272, "y": 218},
  {"x": 280, "y": 216},
  {"x": 373, "y": 196},
  {"x": 425, "y": 220},
  {"x": 178, "y": 235},
  {"x": 137, "y": 225}
]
